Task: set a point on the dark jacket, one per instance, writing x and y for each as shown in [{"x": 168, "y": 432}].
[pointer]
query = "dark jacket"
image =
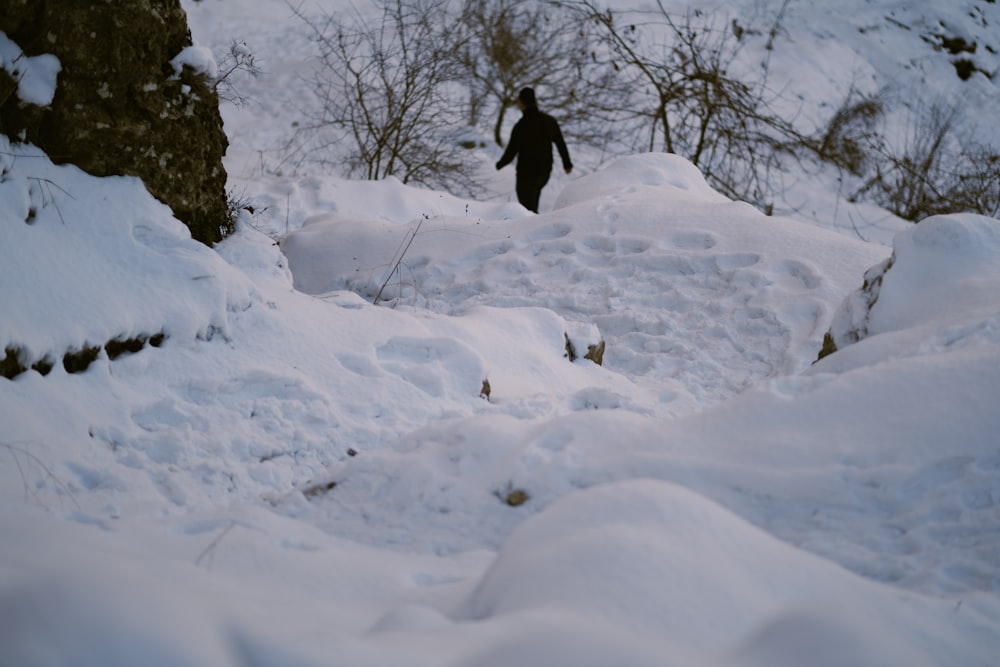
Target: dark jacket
[{"x": 531, "y": 141}]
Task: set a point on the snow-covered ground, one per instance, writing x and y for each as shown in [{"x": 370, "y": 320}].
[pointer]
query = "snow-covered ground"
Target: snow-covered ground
[{"x": 286, "y": 474}]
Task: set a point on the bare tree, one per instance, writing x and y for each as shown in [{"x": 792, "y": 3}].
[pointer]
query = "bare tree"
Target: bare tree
[
  {"x": 689, "y": 99},
  {"x": 518, "y": 43},
  {"x": 382, "y": 85}
]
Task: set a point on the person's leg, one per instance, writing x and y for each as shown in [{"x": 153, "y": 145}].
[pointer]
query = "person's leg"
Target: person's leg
[
  {"x": 529, "y": 190},
  {"x": 528, "y": 194}
]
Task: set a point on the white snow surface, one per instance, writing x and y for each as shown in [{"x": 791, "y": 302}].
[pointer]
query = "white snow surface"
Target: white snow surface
[
  {"x": 198, "y": 58},
  {"x": 35, "y": 75},
  {"x": 296, "y": 476}
]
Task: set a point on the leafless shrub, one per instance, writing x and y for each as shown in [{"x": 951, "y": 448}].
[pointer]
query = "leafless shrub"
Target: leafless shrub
[
  {"x": 402, "y": 90},
  {"x": 386, "y": 93},
  {"x": 977, "y": 187},
  {"x": 911, "y": 187},
  {"x": 518, "y": 43},
  {"x": 239, "y": 59},
  {"x": 936, "y": 170},
  {"x": 688, "y": 99},
  {"x": 853, "y": 134}
]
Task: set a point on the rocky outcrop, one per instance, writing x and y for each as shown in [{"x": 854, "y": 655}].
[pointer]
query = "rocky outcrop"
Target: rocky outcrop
[
  {"x": 125, "y": 104},
  {"x": 850, "y": 322}
]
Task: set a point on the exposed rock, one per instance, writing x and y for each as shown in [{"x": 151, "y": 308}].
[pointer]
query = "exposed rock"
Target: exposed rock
[
  {"x": 318, "y": 490},
  {"x": 850, "y": 322},
  {"x": 16, "y": 359},
  {"x": 517, "y": 497},
  {"x": 595, "y": 353},
  {"x": 120, "y": 107},
  {"x": 581, "y": 336}
]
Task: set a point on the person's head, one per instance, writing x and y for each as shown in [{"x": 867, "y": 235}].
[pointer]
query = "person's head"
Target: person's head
[{"x": 526, "y": 98}]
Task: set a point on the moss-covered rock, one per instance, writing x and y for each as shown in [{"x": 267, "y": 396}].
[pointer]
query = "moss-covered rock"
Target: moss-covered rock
[{"x": 120, "y": 108}]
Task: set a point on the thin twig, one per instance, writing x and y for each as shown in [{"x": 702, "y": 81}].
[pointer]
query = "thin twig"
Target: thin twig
[
  {"x": 395, "y": 265},
  {"x": 14, "y": 450},
  {"x": 45, "y": 186},
  {"x": 210, "y": 549}
]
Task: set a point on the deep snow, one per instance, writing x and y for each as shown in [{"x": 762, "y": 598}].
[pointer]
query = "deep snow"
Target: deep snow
[{"x": 295, "y": 476}]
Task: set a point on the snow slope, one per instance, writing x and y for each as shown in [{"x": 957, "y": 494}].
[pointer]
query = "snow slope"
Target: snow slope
[{"x": 295, "y": 476}]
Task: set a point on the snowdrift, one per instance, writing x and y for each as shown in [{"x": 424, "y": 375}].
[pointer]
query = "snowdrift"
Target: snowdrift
[{"x": 309, "y": 479}]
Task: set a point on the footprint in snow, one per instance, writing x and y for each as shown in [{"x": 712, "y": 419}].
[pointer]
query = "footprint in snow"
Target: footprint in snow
[
  {"x": 795, "y": 273},
  {"x": 547, "y": 233},
  {"x": 691, "y": 241},
  {"x": 736, "y": 260}
]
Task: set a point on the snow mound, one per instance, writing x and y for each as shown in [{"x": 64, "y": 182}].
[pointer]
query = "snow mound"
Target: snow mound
[
  {"x": 936, "y": 291},
  {"x": 683, "y": 285},
  {"x": 635, "y": 552},
  {"x": 651, "y": 173},
  {"x": 323, "y": 484},
  {"x": 88, "y": 260},
  {"x": 947, "y": 266},
  {"x": 658, "y": 560}
]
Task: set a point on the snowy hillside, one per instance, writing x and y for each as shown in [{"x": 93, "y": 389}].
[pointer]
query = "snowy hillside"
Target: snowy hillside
[{"x": 232, "y": 456}]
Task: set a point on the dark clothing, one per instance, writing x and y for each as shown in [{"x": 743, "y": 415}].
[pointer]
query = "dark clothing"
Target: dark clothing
[
  {"x": 531, "y": 142},
  {"x": 529, "y": 190}
]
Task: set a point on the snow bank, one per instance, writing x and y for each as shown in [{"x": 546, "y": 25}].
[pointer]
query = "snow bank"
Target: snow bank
[
  {"x": 945, "y": 268},
  {"x": 333, "y": 459},
  {"x": 680, "y": 282},
  {"x": 654, "y": 559},
  {"x": 659, "y": 174},
  {"x": 321, "y": 483},
  {"x": 88, "y": 260},
  {"x": 936, "y": 292}
]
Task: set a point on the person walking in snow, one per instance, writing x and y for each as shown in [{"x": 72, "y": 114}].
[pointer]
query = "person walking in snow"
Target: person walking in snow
[{"x": 531, "y": 142}]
